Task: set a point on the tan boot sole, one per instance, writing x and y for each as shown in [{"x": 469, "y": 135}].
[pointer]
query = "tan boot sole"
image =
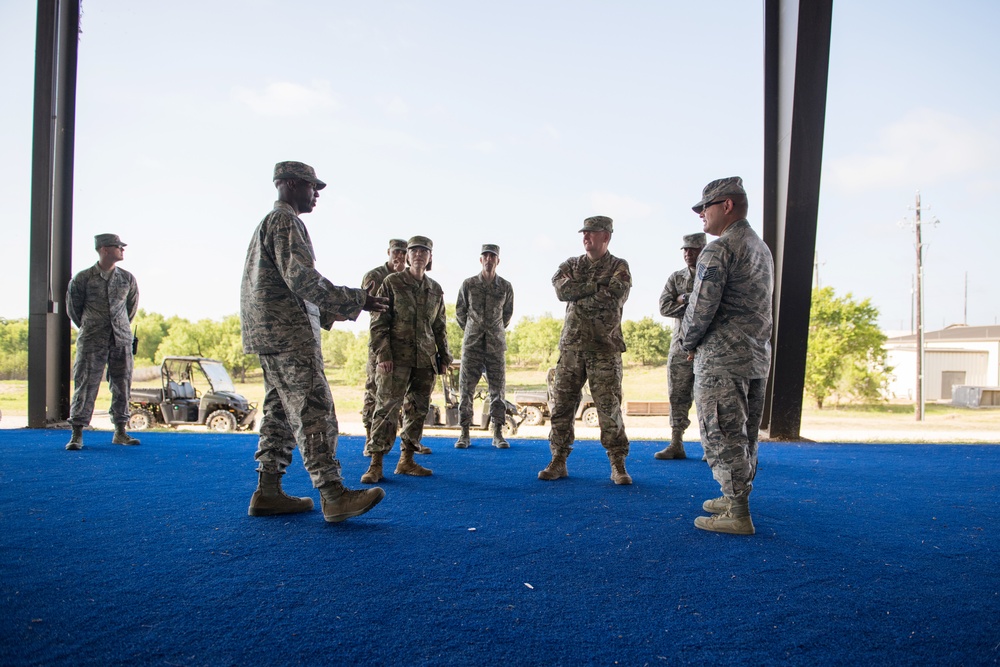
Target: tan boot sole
[
  {"x": 414, "y": 471},
  {"x": 723, "y": 524},
  {"x": 376, "y": 498}
]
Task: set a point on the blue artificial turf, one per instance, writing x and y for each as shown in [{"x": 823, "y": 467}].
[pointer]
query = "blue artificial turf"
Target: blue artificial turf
[{"x": 864, "y": 554}]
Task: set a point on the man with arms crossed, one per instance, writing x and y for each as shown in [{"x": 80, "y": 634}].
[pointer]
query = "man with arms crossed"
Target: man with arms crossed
[
  {"x": 680, "y": 370},
  {"x": 595, "y": 287}
]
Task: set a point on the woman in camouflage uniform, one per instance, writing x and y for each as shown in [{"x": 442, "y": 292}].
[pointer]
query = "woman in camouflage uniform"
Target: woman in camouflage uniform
[{"x": 410, "y": 345}]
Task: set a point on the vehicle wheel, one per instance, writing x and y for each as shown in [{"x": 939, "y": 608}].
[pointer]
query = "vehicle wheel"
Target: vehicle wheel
[
  {"x": 140, "y": 420},
  {"x": 589, "y": 417},
  {"x": 533, "y": 416},
  {"x": 222, "y": 421},
  {"x": 509, "y": 429}
]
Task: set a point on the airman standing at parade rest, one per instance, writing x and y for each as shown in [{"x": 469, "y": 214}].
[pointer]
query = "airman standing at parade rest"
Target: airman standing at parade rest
[{"x": 484, "y": 308}]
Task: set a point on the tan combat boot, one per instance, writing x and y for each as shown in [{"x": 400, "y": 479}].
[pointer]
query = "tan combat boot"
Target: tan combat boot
[
  {"x": 499, "y": 441},
  {"x": 618, "y": 473},
  {"x": 75, "y": 440},
  {"x": 735, "y": 520},
  {"x": 716, "y": 505},
  {"x": 421, "y": 449},
  {"x": 269, "y": 499},
  {"x": 464, "y": 440},
  {"x": 407, "y": 466},
  {"x": 374, "y": 473},
  {"x": 121, "y": 437},
  {"x": 339, "y": 503},
  {"x": 556, "y": 468},
  {"x": 676, "y": 448}
]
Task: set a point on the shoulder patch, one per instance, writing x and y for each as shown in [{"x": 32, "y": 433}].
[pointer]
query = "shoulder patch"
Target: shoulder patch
[{"x": 706, "y": 272}]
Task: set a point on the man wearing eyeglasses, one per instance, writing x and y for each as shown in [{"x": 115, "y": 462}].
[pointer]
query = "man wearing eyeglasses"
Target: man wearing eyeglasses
[
  {"x": 102, "y": 301},
  {"x": 726, "y": 330}
]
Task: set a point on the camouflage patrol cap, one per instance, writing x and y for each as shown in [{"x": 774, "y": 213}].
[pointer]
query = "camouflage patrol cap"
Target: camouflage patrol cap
[
  {"x": 694, "y": 240},
  {"x": 107, "y": 240},
  {"x": 397, "y": 244},
  {"x": 420, "y": 242},
  {"x": 298, "y": 170},
  {"x": 490, "y": 247},
  {"x": 722, "y": 187},
  {"x": 598, "y": 223}
]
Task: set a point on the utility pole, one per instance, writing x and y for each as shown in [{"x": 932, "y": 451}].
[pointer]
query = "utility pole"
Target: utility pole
[
  {"x": 965, "y": 301},
  {"x": 919, "y": 309},
  {"x": 913, "y": 302},
  {"x": 920, "y": 315}
]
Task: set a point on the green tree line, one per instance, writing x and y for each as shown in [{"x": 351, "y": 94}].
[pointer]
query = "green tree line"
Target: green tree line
[
  {"x": 532, "y": 343},
  {"x": 845, "y": 361}
]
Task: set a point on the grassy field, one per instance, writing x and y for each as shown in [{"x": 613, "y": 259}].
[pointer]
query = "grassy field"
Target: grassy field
[{"x": 640, "y": 383}]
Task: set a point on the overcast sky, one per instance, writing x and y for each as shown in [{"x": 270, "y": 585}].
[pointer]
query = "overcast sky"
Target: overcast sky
[{"x": 481, "y": 122}]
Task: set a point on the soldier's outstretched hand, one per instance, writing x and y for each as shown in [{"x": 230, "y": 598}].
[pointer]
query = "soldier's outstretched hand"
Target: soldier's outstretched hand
[{"x": 376, "y": 304}]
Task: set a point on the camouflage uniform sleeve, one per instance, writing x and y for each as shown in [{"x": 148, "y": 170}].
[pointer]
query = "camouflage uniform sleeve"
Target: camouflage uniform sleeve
[
  {"x": 668, "y": 299},
  {"x": 709, "y": 282},
  {"x": 132, "y": 300},
  {"x": 508, "y": 306},
  {"x": 440, "y": 328},
  {"x": 368, "y": 278},
  {"x": 294, "y": 261},
  {"x": 76, "y": 299},
  {"x": 569, "y": 287},
  {"x": 462, "y": 305},
  {"x": 380, "y": 344}
]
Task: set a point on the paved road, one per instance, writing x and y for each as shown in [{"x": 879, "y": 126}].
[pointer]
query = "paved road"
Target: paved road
[{"x": 658, "y": 429}]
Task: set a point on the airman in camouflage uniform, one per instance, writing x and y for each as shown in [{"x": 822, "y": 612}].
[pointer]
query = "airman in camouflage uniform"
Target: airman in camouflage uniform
[
  {"x": 102, "y": 301},
  {"x": 595, "y": 287},
  {"x": 371, "y": 282},
  {"x": 410, "y": 344},
  {"x": 284, "y": 301},
  {"x": 680, "y": 370},
  {"x": 727, "y": 327},
  {"x": 483, "y": 310}
]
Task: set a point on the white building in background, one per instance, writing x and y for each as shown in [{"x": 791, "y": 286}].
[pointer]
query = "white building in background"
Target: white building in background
[{"x": 955, "y": 355}]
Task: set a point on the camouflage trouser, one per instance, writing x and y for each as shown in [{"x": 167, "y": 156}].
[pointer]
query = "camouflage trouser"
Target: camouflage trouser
[
  {"x": 408, "y": 389},
  {"x": 729, "y": 413},
  {"x": 605, "y": 373},
  {"x": 298, "y": 408},
  {"x": 88, "y": 373},
  {"x": 475, "y": 362},
  {"x": 371, "y": 386},
  {"x": 680, "y": 388}
]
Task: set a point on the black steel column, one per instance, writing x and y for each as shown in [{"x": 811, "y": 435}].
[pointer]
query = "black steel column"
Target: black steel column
[
  {"x": 56, "y": 48},
  {"x": 796, "y": 68}
]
